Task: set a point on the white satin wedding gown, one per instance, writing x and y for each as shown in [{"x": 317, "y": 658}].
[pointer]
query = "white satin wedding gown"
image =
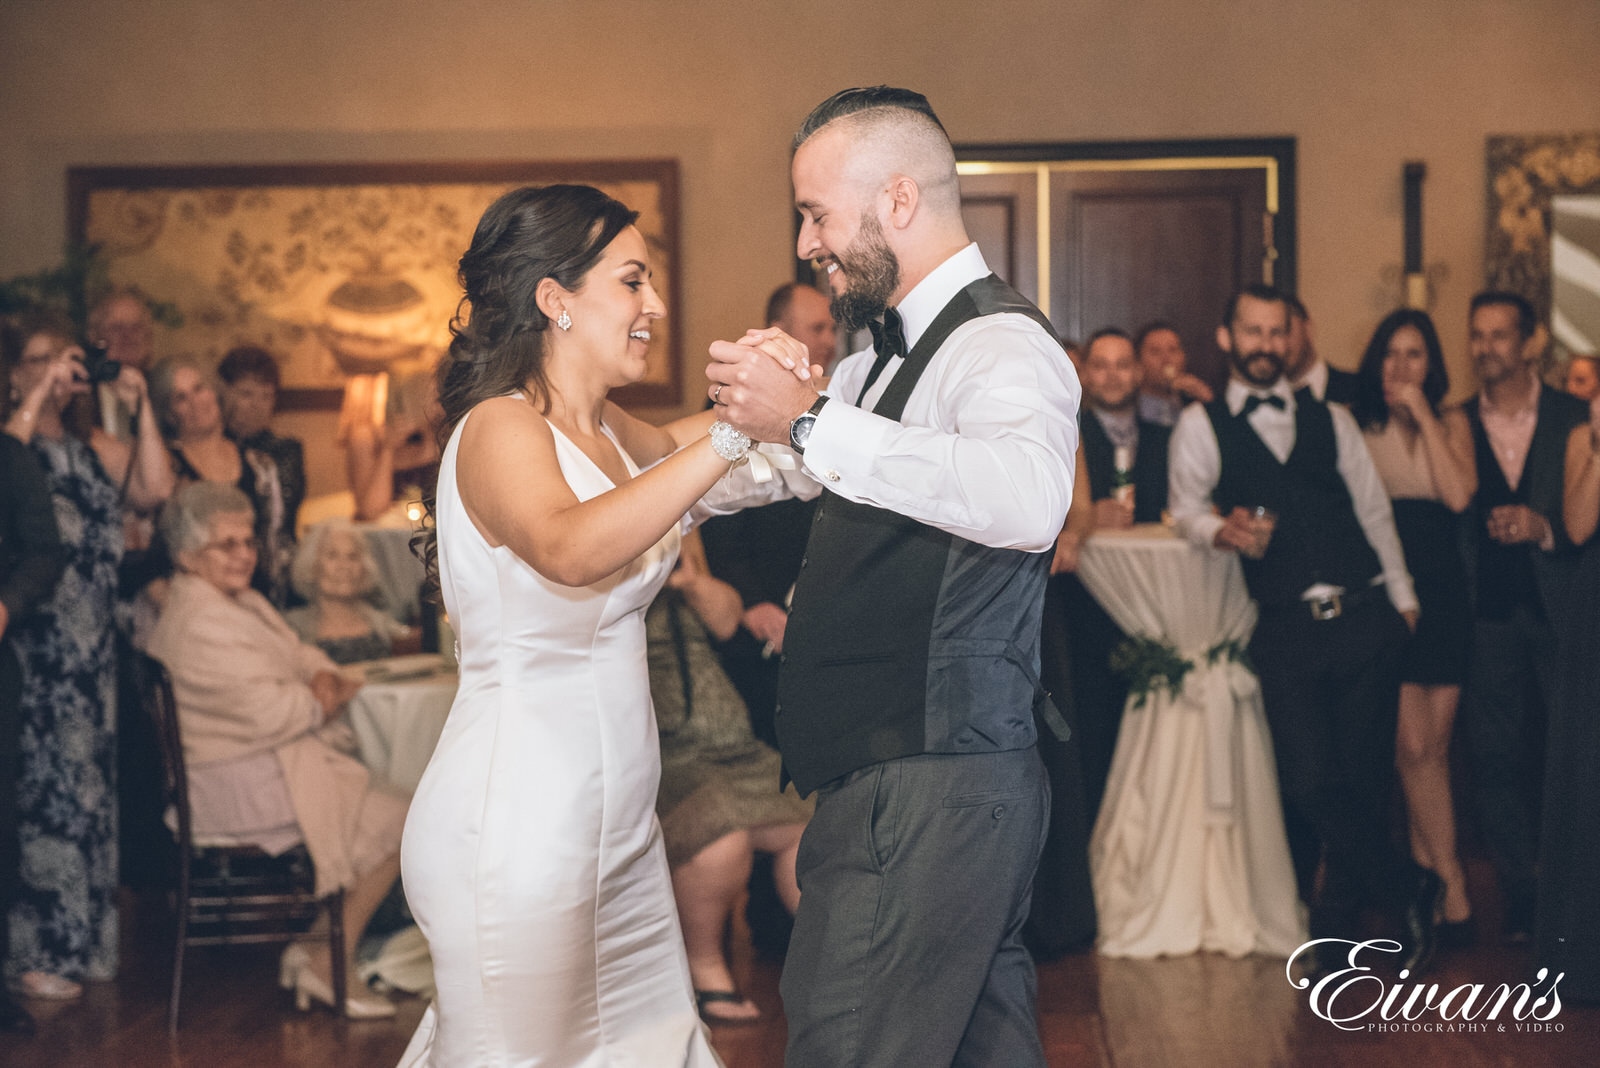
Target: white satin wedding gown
[{"x": 532, "y": 857}]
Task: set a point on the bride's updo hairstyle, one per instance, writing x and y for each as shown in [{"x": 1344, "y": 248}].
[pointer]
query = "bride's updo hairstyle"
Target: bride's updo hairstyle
[{"x": 498, "y": 335}]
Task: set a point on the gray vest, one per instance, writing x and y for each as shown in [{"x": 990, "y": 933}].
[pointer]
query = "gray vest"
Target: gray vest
[{"x": 905, "y": 639}]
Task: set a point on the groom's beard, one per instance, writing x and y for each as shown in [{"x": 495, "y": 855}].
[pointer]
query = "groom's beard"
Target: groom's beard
[{"x": 871, "y": 275}]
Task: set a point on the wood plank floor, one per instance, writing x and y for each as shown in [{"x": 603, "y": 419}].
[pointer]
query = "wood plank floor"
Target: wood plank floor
[{"x": 1195, "y": 1012}]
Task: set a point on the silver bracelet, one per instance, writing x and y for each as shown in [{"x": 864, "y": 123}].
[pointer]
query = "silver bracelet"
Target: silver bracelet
[{"x": 729, "y": 442}]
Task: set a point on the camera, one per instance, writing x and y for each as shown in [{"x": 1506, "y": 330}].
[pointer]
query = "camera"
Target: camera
[{"x": 99, "y": 366}]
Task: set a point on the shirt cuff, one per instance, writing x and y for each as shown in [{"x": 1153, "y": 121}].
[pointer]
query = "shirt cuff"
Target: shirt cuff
[
  {"x": 845, "y": 443},
  {"x": 1202, "y": 529}
]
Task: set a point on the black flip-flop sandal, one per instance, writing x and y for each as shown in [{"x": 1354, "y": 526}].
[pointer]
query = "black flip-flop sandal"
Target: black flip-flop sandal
[{"x": 706, "y": 998}]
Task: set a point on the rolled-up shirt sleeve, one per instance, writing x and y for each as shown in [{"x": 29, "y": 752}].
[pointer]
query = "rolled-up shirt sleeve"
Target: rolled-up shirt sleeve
[{"x": 987, "y": 443}]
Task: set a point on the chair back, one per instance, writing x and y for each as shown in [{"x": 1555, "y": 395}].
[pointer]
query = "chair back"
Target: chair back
[{"x": 155, "y": 686}]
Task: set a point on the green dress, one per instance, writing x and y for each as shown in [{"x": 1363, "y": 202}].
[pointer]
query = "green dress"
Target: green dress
[{"x": 716, "y": 777}]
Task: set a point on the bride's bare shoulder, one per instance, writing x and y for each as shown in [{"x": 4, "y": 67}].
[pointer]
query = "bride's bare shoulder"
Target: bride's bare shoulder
[{"x": 495, "y": 420}]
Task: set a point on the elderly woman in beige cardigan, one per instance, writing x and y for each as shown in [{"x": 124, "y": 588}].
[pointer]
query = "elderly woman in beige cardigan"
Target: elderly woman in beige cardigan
[{"x": 255, "y": 706}]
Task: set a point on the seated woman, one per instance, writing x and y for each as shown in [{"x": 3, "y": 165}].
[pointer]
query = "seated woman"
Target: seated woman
[
  {"x": 334, "y": 571},
  {"x": 253, "y": 702},
  {"x": 184, "y": 394},
  {"x": 719, "y": 800}
]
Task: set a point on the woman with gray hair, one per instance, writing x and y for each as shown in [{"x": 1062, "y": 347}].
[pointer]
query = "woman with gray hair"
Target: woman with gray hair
[
  {"x": 334, "y": 570},
  {"x": 253, "y": 702},
  {"x": 184, "y": 393}
]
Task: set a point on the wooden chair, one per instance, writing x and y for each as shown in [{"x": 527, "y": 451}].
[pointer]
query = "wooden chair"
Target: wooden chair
[{"x": 228, "y": 894}]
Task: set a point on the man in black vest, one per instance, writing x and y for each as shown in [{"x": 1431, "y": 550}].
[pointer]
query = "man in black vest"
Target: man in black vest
[
  {"x": 1522, "y": 564},
  {"x": 909, "y": 683},
  {"x": 1331, "y": 585}
]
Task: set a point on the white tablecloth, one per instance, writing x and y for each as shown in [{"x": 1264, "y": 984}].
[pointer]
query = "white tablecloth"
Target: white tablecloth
[
  {"x": 397, "y": 723},
  {"x": 1189, "y": 850}
]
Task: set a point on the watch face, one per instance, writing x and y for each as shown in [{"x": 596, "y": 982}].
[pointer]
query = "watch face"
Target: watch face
[{"x": 800, "y": 432}]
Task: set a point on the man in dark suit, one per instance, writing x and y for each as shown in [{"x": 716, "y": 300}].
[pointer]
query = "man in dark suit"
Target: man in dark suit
[
  {"x": 1331, "y": 585},
  {"x": 1305, "y": 369},
  {"x": 911, "y": 657},
  {"x": 1522, "y": 566},
  {"x": 1111, "y": 428},
  {"x": 31, "y": 560},
  {"x": 1110, "y": 420}
]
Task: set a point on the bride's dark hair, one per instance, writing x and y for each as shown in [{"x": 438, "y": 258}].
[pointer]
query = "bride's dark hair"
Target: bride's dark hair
[{"x": 497, "y": 336}]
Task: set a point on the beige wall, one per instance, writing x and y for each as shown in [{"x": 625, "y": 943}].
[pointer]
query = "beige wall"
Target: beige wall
[{"x": 1363, "y": 85}]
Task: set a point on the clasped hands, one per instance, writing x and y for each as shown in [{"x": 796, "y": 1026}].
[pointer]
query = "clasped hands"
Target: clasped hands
[{"x": 762, "y": 382}]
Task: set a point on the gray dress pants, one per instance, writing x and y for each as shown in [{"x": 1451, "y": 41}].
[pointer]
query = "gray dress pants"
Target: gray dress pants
[{"x": 915, "y": 878}]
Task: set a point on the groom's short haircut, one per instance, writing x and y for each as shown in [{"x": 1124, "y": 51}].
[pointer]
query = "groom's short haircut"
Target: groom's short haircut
[
  {"x": 892, "y": 131},
  {"x": 854, "y": 101}
]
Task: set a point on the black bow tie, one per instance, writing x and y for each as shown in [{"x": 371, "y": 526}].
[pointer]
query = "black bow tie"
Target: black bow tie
[
  {"x": 888, "y": 341},
  {"x": 1252, "y": 402}
]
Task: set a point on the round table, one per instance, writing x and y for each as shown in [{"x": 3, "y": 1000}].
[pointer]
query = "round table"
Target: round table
[
  {"x": 398, "y": 715},
  {"x": 1189, "y": 851}
]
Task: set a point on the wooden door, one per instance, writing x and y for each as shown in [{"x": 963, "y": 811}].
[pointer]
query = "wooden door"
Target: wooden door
[{"x": 1122, "y": 241}]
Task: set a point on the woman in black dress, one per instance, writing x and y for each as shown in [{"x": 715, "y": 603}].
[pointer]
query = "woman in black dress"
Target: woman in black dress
[{"x": 1423, "y": 453}]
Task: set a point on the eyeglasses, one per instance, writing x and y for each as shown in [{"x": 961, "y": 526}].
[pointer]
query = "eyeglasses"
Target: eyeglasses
[{"x": 229, "y": 546}]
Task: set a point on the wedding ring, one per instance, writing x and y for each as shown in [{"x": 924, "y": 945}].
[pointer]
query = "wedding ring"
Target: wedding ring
[{"x": 716, "y": 394}]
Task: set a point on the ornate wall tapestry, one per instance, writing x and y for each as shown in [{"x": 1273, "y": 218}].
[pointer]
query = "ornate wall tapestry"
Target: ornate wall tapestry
[{"x": 339, "y": 270}]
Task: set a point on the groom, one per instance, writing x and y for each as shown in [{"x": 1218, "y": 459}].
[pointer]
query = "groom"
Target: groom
[{"x": 911, "y": 658}]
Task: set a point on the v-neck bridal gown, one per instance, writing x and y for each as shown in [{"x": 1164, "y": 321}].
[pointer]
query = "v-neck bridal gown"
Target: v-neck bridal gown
[{"x": 532, "y": 857}]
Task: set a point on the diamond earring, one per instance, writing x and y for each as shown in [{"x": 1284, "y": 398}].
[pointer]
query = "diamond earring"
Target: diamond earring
[{"x": 564, "y": 321}]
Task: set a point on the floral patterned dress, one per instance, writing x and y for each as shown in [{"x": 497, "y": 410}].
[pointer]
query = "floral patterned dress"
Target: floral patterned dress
[{"x": 64, "y": 919}]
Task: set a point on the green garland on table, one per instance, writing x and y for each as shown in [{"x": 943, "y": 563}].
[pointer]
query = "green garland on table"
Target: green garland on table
[{"x": 1150, "y": 665}]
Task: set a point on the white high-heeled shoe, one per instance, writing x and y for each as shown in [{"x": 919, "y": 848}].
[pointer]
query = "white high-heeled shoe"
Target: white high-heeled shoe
[
  {"x": 295, "y": 959},
  {"x": 309, "y": 987}
]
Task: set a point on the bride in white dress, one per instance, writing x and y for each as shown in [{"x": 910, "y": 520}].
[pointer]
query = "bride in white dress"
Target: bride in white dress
[{"x": 532, "y": 857}]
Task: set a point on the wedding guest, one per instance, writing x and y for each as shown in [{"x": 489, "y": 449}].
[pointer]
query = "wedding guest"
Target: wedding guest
[
  {"x": 121, "y": 323},
  {"x": 1307, "y": 370},
  {"x": 185, "y": 394},
  {"x": 720, "y": 800},
  {"x": 31, "y": 560},
  {"x": 805, "y": 314},
  {"x": 1522, "y": 567},
  {"x": 1568, "y": 913},
  {"x": 1165, "y": 382},
  {"x": 398, "y": 459},
  {"x": 250, "y": 384},
  {"x": 255, "y": 705},
  {"x": 1583, "y": 377},
  {"x": 335, "y": 571},
  {"x": 63, "y": 921},
  {"x": 1336, "y": 606},
  {"x": 1423, "y": 454}
]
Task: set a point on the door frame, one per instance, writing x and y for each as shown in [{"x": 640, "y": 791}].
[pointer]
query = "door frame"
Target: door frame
[{"x": 1273, "y": 155}]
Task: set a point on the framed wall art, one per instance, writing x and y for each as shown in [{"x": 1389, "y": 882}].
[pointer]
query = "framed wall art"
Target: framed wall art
[{"x": 339, "y": 269}]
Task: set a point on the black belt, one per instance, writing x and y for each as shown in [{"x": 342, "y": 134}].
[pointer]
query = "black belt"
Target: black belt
[{"x": 1322, "y": 609}]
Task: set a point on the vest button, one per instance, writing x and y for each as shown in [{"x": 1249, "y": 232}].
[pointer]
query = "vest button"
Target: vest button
[
  {"x": 804, "y": 561},
  {"x": 999, "y": 812}
]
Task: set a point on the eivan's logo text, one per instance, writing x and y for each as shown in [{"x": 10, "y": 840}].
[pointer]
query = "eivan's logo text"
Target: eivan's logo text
[{"x": 1354, "y": 999}]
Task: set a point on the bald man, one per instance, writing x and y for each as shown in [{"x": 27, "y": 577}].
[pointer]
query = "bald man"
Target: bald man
[
  {"x": 802, "y": 312},
  {"x": 909, "y": 685}
]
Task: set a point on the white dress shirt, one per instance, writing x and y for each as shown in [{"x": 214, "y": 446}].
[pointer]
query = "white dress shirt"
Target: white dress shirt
[
  {"x": 1316, "y": 380},
  {"x": 1195, "y": 463},
  {"x": 985, "y": 447}
]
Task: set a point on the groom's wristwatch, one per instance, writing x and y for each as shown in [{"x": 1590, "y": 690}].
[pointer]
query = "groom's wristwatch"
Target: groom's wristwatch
[{"x": 800, "y": 429}]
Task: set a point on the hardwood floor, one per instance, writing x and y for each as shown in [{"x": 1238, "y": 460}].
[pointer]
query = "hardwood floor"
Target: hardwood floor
[{"x": 1194, "y": 1012}]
